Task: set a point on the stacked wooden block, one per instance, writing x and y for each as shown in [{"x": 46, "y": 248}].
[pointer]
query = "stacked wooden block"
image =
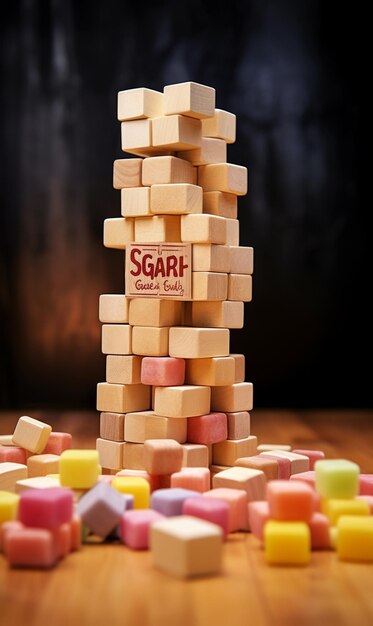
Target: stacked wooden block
[{"x": 169, "y": 370}]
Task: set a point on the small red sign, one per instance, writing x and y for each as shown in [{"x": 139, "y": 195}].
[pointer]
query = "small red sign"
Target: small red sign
[{"x": 159, "y": 270}]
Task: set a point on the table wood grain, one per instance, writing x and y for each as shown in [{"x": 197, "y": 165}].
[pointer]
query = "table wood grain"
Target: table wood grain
[{"x": 110, "y": 584}]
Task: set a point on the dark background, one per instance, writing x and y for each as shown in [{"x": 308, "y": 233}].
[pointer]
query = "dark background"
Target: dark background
[{"x": 289, "y": 71}]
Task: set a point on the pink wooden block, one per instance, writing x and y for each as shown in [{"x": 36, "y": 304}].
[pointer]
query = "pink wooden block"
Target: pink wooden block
[
  {"x": 30, "y": 547},
  {"x": 8, "y": 527},
  {"x": 284, "y": 465},
  {"x": 76, "y": 532},
  {"x": 366, "y": 484},
  {"x": 320, "y": 531},
  {"x": 13, "y": 454},
  {"x": 237, "y": 502},
  {"x": 306, "y": 477},
  {"x": 57, "y": 443},
  {"x": 194, "y": 478},
  {"x": 207, "y": 429},
  {"x": 368, "y": 499},
  {"x": 209, "y": 509},
  {"x": 62, "y": 540},
  {"x": 258, "y": 516},
  {"x": 162, "y": 371},
  {"x": 46, "y": 508},
  {"x": 154, "y": 481},
  {"x": 313, "y": 455},
  {"x": 290, "y": 500},
  {"x": 135, "y": 527}
]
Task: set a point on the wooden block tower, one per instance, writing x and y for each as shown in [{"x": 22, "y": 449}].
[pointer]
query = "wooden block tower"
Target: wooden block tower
[{"x": 169, "y": 370}]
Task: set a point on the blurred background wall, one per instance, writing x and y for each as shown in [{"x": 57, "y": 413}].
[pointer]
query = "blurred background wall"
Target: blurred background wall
[{"x": 288, "y": 71}]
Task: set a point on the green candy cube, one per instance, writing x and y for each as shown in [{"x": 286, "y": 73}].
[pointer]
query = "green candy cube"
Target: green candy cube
[{"x": 337, "y": 478}]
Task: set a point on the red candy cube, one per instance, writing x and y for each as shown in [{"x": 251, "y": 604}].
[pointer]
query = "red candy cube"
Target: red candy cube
[
  {"x": 207, "y": 429},
  {"x": 162, "y": 371},
  {"x": 290, "y": 500}
]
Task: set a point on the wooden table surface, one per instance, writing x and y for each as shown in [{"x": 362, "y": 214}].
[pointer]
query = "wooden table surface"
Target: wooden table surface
[{"x": 110, "y": 584}]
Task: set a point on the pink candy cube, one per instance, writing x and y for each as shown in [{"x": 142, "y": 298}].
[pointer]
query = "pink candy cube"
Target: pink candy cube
[
  {"x": 320, "y": 531},
  {"x": 307, "y": 477},
  {"x": 13, "y": 454},
  {"x": 76, "y": 532},
  {"x": 284, "y": 465},
  {"x": 313, "y": 455},
  {"x": 135, "y": 527},
  {"x": 207, "y": 429},
  {"x": 194, "y": 478},
  {"x": 237, "y": 502},
  {"x": 46, "y": 508},
  {"x": 8, "y": 527},
  {"x": 290, "y": 500},
  {"x": 30, "y": 547},
  {"x": 258, "y": 516},
  {"x": 62, "y": 540},
  {"x": 366, "y": 484},
  {"x": 162, "y": 371},
  {"x": 57, "y": 443},
  {"x": 209, "y": 509}
]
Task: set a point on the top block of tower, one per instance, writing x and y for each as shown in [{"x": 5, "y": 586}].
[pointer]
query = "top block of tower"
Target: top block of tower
[
  {"x": 136, "y": 104},
  {"x": 221, "y": 126},
  {"x": 190, "y": 99}
]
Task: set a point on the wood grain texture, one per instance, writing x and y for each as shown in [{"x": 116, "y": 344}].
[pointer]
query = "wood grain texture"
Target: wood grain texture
[{"x": 88, "y": 587}]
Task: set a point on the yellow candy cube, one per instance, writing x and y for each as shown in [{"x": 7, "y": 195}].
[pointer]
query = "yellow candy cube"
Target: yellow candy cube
[
  {"x": 79, "y": 469},
  {"x": 136, "y": 486},
  {"x": 287, "y": 543},
  {"x": 8, "y": 506},
  {"x": 334, "y": 509},
  {"x": 355, "y": 538}
]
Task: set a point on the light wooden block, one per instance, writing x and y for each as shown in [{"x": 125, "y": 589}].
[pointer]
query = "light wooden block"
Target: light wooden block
[
  {"x": 136, "y": 136},
  {"x": 238, "y": 425},
  {"x": 176, "y": 132},
  {"x": 242, "y": 260},
  {"x": 220, "y": 203},
  {"x": 112, "y": 426},
  {"x": 211, "y": 372},
  {"x": 267, "y": 447},
  {"x": 40, "y": 482},
  {"x": 227, "y": 452},
  {"x": 10, "y": 474},
  {"x": 222, "y": 125},
  {"x": 6, "y": 440},
  {"x": 223, "y": 177},
  {"x": 210, "y": 151},
  {"x": 176, "y": 199},
  {"x": 42, "y": 465},
  {"x": 239, "y": 367},
  {"x": 116, "y": 339},
  {"x": 113, "y": 309},
  {"x": 252, "y": 481},
  {"x": 268, "y": 466},
  {"x": 210, "y": 258},
  {"x": 158, "y": 229},
  {"x": 31, "y": 434},
  {"x": 162, "y": 457},
  {"x": 122, "y": 398},
  {"x": 233, "y": 232},
  {"x": 232, "y": 398},
  {"x": 118, "y": 232},
  {"x": 185, "y": 546},
  {"x": 298, "y": 462},
  {"x": 134, "y": 456},
  {"x": 190, "y": 99},
  {"x": 110, "y": 453},
  {"x": 240, "y": 287},
  {"x": 145, "y": 425},
  {"x": 218, "y": 314},
  {"x": 155, "y": 312},
  {"x": 197, "y": 343},
  {"x": 164, "y": 170},
  {"x": 195, "y": 455},
  {"x": 123, "y": 370},
  {"x": 139, "y": 103},
  {"x": 150, "y": 340},
  {"x": 182, "y": 401},
  {"x": 127, "y": 173},
  {"x": 135, "y": 202},
  {"x": 203, "y": 229},
  {"x": 212, "y": 286}
]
